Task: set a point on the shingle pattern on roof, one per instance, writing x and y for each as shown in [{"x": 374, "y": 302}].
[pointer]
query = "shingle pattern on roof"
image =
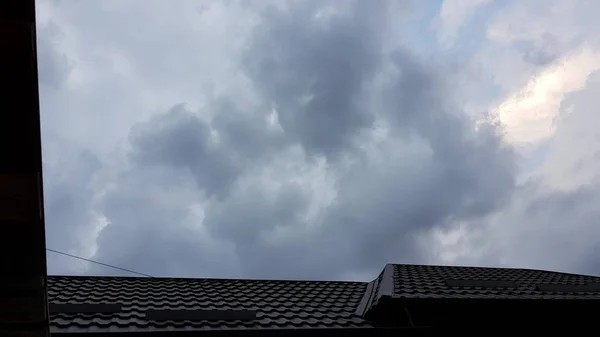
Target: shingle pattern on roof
[
  {"x": 279, "y": 304},
  {"x": 426, "y": 281}
]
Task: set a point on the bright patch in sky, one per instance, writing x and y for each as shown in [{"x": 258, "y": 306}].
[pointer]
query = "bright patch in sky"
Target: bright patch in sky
[{"x": 529, "y": 115}]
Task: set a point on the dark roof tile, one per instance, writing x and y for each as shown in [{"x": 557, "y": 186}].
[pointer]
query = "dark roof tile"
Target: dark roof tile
[
  {"x": 419, "y": 281},
  {"x": 297, "y": 304},
  {"x": 278, "y": 304}
]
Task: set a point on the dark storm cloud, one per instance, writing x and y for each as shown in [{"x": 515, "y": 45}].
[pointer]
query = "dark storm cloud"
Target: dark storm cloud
[
  {"x": 245, "y": 132},
  {"x": 421, "y": 104},
  {"x": 180, "y": 139},
  {"x": 441, "y": 170},
  {"x": 173, "y": 158},
  {"x": 315, "y": 70},
  {"x": 221, "y": 196},
  {"x": 433, "y": 169},
  {"x": 176, "y": 162},
  {"x": 246, "y": 216},
  {"x": 151, "y": 230}
]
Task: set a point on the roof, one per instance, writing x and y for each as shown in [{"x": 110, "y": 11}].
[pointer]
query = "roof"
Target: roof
[
  {"x": 478, "y": 293},
  {"x": 126, "y": 304},
  {"x": 418, "y": 281},
  {"x": 278, "y": 304},
  {"x": 423, "y": 281}
]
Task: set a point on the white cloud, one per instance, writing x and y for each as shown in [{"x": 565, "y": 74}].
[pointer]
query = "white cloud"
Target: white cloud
[
  {"x": 454, "y": 15},
  {"x": 535, "y": 20},
  {"x": 529, "y": 115}
]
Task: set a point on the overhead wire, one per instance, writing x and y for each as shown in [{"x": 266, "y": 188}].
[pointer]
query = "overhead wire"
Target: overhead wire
[{"x": 97, "y": 262}]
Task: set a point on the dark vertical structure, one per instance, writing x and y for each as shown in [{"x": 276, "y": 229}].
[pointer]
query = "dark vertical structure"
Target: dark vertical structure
[{"x": 23, "y": 306}]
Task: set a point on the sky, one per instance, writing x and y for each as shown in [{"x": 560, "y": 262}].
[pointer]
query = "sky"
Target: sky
[{"x": 319, "y": 139}]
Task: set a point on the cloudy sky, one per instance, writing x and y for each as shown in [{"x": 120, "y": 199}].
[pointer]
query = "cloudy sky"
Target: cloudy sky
[{"x": 319, "y": 139}]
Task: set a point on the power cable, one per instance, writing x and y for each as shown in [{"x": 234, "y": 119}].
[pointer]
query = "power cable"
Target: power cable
[{"x": 96, "y": 262}]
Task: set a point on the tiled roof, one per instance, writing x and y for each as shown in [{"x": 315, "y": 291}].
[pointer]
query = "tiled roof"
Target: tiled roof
[
  {"x": 400, "y": 283},
  {"x": 278, "y": 304},
  {"x": 120, "y": 304},
  {"x": 421, "y": 281}
]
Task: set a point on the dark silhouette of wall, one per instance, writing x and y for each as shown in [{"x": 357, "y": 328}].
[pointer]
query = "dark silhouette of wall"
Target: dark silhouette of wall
[{"x": 22, "y": 238}]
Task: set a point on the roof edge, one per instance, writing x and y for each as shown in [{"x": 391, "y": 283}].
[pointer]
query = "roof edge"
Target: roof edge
[
  {"x": 372, "y": 330},
  {"x": 365, "y": 302},
  {"x": 386, "y": 288},
  {"x": 497, "y": 267},
  {"x": 83, "y": 277}
]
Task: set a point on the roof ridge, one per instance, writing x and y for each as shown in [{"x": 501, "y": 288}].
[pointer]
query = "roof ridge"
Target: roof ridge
[
  {"x": 163, "y": 278},
  {"x": 490, "y": 267}
]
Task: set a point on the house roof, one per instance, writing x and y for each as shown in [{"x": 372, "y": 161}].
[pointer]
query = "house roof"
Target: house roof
[
  {"x": 476, "y": 294},
  {"x": 278, "y": 304},
  {"x": 100, "y": 304},
  {"x": 452, "y": 282}
]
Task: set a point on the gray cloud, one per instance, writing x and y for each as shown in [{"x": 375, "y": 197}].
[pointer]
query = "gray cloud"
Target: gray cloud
[
  {"x": 316, "y": 70},
  {"x": 439, "y": 172},
  {"x": 551, "y": 220},
  {"x": 211, "y": 189},
  {"x": 543, "y": 51},
  {"x": 246, "y": 132},
  {"x": 180, "y": 139},
  {"x": 544, "y": 228},
  {"x": 153, "y": 230},
  {"x": 432, "y": 170},
  {"x": 53, "y": 66},
  {"x": 68, "y": 198}
]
